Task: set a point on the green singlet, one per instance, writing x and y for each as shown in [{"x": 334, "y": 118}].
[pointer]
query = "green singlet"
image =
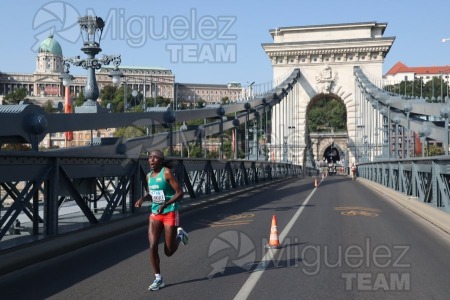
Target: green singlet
[{"x": 160, "y": 191}]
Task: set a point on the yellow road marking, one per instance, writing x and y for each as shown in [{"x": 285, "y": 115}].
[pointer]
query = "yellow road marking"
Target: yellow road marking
[
  {"x": 357, "y": 208},
  {"x": 358, "y": 211},
  {"x": 229, "y": 220}
]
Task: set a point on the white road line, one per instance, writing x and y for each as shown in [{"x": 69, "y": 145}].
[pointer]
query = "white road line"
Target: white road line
[{"x": 259, "y": 270}]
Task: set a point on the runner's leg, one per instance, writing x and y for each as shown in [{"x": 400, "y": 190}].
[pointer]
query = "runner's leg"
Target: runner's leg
[
  {"x": 155, "y": 229},
  {"x": 171, "y": 241}
]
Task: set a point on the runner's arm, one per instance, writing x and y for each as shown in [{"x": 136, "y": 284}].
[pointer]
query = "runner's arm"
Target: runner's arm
[{"x": 146, "y": 197}]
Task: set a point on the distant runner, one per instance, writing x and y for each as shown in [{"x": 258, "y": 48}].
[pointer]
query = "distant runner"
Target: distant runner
[{"x": 353, "y": 170}]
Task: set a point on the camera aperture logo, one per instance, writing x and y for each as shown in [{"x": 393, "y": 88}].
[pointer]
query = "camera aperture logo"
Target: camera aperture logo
[
  {"x": 231, "y": 243},
  {"x": 213, "y": 31},
  {"x": 190, "y": 38},
  {"x": 56, "y": 18}
]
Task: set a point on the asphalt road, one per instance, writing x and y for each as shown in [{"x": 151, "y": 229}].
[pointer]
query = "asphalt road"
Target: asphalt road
[{"x": 340, "y": 241}]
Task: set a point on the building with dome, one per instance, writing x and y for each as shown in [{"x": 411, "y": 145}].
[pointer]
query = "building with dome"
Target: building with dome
[
  {"x": 45, "y": 80},
  {"x": 45, "y": 84}
]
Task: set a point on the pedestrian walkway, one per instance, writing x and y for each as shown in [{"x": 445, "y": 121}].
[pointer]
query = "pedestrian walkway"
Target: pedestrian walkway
[{"x": 428, "y": 213}]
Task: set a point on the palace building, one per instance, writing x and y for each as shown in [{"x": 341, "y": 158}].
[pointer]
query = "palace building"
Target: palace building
[{"x": 45, "y": 84}]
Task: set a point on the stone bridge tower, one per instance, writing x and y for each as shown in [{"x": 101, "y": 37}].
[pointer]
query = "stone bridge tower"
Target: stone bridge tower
[{"x": 326, "y": 56}]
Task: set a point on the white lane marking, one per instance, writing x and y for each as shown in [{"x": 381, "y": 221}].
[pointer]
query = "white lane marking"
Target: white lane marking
[{"x": 259, "y": 270}]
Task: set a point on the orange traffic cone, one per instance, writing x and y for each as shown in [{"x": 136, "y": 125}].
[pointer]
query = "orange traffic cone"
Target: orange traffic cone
[
  {"x": 274, "y": 242},
  {"x": 315, "y": 183}
]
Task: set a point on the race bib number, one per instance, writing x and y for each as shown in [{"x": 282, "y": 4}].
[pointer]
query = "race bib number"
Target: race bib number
[{"x": 157, "y": 196}]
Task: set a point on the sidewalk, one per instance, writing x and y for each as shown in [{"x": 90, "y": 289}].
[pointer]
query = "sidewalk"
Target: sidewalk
[{"x": 433, "y": 215}]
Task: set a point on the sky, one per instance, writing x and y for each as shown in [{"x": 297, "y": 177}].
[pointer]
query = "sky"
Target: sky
[{"x": 214, "y": 41}]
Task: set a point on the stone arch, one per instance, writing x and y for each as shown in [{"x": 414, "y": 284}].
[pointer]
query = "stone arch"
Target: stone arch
[
  {"x": 326, "y": 56},
  {"x": 337, "y": 145},
  {"x": 319, "y": 96}
]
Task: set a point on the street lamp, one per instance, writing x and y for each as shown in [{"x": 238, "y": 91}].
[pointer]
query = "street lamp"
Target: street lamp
[
  {"x": 389, "y": 103},
  {"x": 250, "y": 87},
  {"x": 396, "y": 121},
  {"x": 91, "y": 28},
  {"x": 445, "y": 110},
  {"x": 67, "y": 80},
  {"x": 292, "y": 140},
  {"x": 424, "y": 131},
  {"x": 365, "y": 150},
  {"x": 247, "y": 107},
  {"x": 134, "y": 94},
  {"x": 182, "y": 129},
  {"x": 265, "y": 133},
  {"x": 407, "y": 107},
  {"x": 385, "y": 129},
  {"x": 255, "y": 135},
  {"x": 169, "y": 119},
  {"x": 221, "y": 112},
  {"x": 236, "y": 123}
]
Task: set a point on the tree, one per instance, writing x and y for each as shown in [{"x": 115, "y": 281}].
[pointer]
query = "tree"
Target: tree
[
  {"x": 16, "y": 96},
  {"x": 48, "y": 107},
  {"x": 80, "y": 99},
  {"x": 431, "y": 89},
  {"x": 131, "y": 132},
  {"x": 195, "y": 151},
  {"x": 326, "y": 114},
  {"x": 434, "y": 150},
  {"x": 107, "y": 94},
  {"x": 15, "y": 147}
]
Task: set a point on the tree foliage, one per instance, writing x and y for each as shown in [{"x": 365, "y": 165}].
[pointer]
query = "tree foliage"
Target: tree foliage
[
  {"x": 48, "y": 107},
  {"x": 327, "y": 114},
  {"x": 431, "y": 90},
  {"x": 15, "y": 147},
  {"x": 15, "y": 96},
  {"x": 433, "y": 150}
]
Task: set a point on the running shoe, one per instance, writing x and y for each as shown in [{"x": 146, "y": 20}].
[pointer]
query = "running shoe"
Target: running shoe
[
  {"x": 156, "y": 285},
  {"x": 183, "y": 236}
]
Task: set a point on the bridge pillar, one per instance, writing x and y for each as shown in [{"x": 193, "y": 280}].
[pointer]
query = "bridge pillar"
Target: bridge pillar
[{"x": 326, "y": 57}]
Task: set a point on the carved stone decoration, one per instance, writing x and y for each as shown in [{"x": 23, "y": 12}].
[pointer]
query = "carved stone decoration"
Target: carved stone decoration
[{"x": 326, "y": 80}]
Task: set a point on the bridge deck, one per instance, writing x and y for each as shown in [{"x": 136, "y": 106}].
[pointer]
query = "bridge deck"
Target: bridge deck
[{"x": 342, "y": 240}]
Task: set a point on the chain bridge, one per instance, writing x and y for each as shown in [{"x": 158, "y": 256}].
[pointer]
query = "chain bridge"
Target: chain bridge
[{"x": 343, "y": 62}]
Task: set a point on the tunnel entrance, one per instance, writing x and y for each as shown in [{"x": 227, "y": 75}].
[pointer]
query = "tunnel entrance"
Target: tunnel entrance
[{"x": 331, "y": 154}]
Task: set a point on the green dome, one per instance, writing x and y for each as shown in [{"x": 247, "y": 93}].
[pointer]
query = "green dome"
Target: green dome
[{"x": 50, "y": 45}]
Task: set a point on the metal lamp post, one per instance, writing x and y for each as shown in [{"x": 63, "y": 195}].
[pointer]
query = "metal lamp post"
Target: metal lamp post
[
  {"x": 247, "y": 107},
  {"x": 389, "y": 103},
  {"x": 221, "y": 113},
  {"x": 365, "y": 150},
  {"x": 445, "y": 113},
  {"x": 292, "y": 141},
  {"x": 385, "y": 129},
  {"x": 67, "y": 80},
  {"x": 264, "y": 101},
  {"x": 134, "y": 94},
  {"x": 424, "y": 131},
  {"x": 91, "y": 28},
  {"x": 169, "y": 118},
  {"x": 135, "y": 91},
  {"x": 236, "y": 123},
  {"x": 116, "y": 76},
  {"x": 255, "y": 149},
  {"x": 396, "y": 121},
  {"x": 407, "y": 107},
  {"x": 182, "y": 129}
]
